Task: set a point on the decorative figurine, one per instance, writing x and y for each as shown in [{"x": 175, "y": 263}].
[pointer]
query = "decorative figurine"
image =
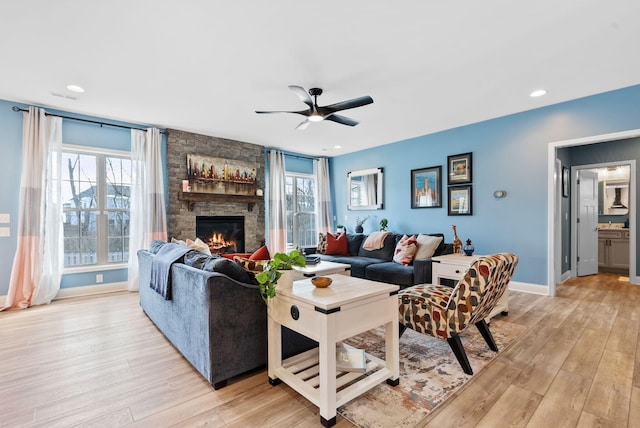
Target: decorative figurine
[
  {"x": 457, "y": 243},
  {"x": 468, "y": 248}
]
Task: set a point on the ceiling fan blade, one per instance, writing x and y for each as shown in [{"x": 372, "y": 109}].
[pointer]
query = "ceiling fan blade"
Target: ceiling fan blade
[
  {"x": 341, "y": 119},
  {"x": 303, "y": 125},
  {"x": 302, "y": 94},
  {"x": 302, "y": 112},
  {"x": 345, "y": 105}
]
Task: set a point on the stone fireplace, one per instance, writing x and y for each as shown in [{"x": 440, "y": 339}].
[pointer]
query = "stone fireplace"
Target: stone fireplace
[
  {"x": 223, "y": 234},
  {"x": 181, "y": 221}
]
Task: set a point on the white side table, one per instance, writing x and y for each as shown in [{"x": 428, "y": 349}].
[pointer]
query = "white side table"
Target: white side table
[
  {"x": 328, "y": 315},
  {"x": 454, "y": 266}
]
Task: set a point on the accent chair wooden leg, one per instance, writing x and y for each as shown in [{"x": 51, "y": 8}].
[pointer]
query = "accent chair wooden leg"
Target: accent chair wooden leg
[
  {"x": 401, "y": 329},
  {"x": 456, "y": 346},
  {"x": 483, "y": 328}
]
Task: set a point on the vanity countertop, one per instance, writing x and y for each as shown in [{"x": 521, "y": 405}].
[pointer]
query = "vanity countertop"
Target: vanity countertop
[{"x": 615, "y": 226}]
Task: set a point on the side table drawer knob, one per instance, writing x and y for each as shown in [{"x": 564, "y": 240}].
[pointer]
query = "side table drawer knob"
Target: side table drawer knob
[{"x": 295, "y": 313}]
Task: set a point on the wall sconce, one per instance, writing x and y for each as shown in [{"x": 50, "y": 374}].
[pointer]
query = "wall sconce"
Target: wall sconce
[{"x": 498, "y": 194}]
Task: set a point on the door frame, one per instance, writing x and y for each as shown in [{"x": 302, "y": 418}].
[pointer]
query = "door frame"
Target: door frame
[
  {"x": 632, "y": 209},
  {"x": 553, "y": 232}
]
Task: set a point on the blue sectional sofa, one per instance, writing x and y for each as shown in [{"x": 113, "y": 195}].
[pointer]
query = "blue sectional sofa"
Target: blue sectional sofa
[
  {"x": 378, "y": 265},
  {"x": 218, "y": 323}
]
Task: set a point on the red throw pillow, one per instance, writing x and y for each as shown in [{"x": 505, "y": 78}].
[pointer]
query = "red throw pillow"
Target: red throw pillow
[
  {"x": 261, "y": 254},
  {"x": 337, "y": 245}
]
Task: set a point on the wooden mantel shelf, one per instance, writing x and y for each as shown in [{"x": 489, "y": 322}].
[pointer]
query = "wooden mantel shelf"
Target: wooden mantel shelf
[{"x": 192, "y": 197}]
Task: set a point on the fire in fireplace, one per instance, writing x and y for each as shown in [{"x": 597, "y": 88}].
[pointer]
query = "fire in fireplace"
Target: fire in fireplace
[{"x": 223, "y": 234}]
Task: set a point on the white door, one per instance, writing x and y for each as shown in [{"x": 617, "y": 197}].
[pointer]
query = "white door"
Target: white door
[{"x": 587, "y": 223}]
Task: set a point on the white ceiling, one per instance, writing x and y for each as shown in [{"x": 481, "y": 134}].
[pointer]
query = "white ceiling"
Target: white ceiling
[{"x": 204, "y": 66}]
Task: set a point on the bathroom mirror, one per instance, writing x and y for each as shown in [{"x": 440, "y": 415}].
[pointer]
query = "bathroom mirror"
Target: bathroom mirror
[
  {"x": 365, "y": 189},
  {"x": 613, "y": 190}
]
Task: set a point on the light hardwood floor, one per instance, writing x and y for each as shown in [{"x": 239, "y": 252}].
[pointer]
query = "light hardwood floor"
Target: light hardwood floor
[{"x": 100, "y": 362}]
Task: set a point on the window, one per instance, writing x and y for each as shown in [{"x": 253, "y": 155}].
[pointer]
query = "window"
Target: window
[
  {"x": 95, "y": 197},
  {"x": 301, "y": 210}
]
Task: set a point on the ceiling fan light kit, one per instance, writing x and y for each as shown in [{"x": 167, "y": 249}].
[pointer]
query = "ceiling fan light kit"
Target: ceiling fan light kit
[{"x": 316, "y": 113}]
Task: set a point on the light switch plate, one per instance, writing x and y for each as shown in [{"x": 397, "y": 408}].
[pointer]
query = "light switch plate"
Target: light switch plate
[
  {"x": 5, "y": 231},
  {"x": 5, "y": 218}
]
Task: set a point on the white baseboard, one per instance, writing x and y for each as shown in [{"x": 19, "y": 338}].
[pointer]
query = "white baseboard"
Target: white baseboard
[
  {"x": 529, "y": 288},
  {"x": 88, "y": 290},
  {"x": 566, "y": 275}
]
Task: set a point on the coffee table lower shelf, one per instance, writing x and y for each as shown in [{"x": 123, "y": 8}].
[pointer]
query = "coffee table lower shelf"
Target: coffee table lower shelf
[{"x": 302, "y": 373}]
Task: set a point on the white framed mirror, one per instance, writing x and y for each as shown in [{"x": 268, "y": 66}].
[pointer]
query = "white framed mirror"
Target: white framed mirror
[{"x": 365, "y": 189}]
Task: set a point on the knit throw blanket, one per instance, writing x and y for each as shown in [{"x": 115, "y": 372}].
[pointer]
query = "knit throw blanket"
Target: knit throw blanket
[
  {"x": 161, "y": 267},
  {"x": 375, "y": 241}
]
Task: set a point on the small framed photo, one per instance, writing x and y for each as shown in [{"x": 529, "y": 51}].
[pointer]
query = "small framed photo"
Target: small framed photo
[
  {"x": 426, "y": 187},
  {"x": 459, "y": 169},
  {"x": 460, "y": 202},
  {"x": 565, "y": 182}
]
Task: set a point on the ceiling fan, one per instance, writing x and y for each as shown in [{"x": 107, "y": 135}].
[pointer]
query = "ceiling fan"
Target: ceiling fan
[{"x": 316, "y": 113}]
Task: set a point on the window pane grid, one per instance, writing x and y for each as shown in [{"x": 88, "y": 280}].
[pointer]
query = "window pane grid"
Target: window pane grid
[{"x": 95, "y": 197}]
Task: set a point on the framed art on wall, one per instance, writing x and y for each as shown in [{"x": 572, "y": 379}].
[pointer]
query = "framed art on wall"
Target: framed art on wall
[
  {"x": 459, "y": 169},
  {"x": 426, "y": 187},
  {"x": 460, "y": 200}
]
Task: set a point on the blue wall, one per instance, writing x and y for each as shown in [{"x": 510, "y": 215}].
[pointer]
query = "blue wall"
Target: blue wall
[
  {"x": 73, "y": 132},
  {"x": 509, "y": 153}
]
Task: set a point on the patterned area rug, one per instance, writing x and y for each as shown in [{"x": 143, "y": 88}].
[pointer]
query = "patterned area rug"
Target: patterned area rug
[{"x": 429, "y": 374}]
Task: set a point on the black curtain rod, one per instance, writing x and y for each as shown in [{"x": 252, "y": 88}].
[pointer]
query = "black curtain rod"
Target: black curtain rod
[
  {"x": 16, "y": 109},
  {"x": 302, "y": 156}
]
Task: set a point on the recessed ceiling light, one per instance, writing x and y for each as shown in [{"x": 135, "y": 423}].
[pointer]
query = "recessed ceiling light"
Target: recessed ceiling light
[
  {"x": 75, "y": 88},
  {"x": 538, "y": 93},
  {"x": 337, "y": 147}
]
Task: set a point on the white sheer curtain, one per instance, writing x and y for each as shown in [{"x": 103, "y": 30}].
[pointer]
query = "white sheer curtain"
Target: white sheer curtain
[
  {"x": 277, "y": 203},
  {"x": 321, "y": 167},
  {"x": 38, "y": 263},
  {"x": 147, "y": 219}
]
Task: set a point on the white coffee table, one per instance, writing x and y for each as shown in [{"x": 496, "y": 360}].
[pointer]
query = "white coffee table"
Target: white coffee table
[
  {"x": 454, "y": 266},
  {"x": 323, "y": 268},
  {"x": 327, "y": 315}
]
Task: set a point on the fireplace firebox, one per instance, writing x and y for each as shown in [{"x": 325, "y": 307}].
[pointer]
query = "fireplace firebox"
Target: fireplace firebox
[{"x": 223, "y": 234}]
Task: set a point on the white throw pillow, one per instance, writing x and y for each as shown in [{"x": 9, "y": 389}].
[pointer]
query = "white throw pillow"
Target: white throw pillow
[
  {"x": 427, "y": 246},
  {"x": 199, "y": 245}
]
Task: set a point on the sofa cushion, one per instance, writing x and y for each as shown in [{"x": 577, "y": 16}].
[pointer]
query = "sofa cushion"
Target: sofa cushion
[
  {"x": 354, "y": 241},
  {"x": 199, "y": 245},
  {"x": 405, "y": 250},
  {"x": 197, "y": 259},
  {"x": 261, "y": 253},
  {"x": 250, "y": 265},
  {"x": 322, "y": 243},
  {"x": 337, "y": 245},
  {"x": 218, "y": 264},
  {"x": 385, "y": 253},
  {"x": 229, "y": 268},
  {"x": 427, "y": 245},
  {"x": 391, "y": 273},
  {"x": 358, "y": 264}
]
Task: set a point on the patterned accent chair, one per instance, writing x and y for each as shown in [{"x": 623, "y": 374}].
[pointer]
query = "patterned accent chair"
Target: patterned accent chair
[{"x": 444, "y": 312}]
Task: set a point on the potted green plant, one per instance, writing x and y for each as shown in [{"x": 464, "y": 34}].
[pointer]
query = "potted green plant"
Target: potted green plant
[
  {"x": 339, "y": 228},
  {"x": 359, "y": 223},
  {"x": 383, "y": 224},
  {"x": 274, "y": 270}
]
